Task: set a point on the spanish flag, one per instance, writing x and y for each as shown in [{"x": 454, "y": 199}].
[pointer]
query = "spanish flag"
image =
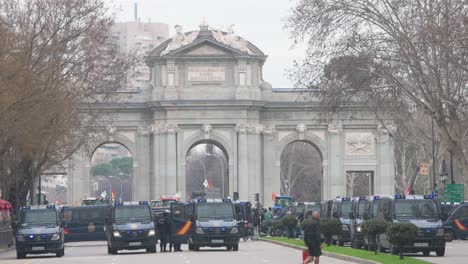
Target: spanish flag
[{"x": 460, "y": 226}]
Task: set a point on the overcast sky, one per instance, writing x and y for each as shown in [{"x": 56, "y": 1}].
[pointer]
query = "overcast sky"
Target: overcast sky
[{"x": 259, "y": 21}]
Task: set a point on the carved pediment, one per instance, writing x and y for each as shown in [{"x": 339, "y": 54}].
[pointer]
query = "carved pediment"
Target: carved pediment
[{"x": 206, "y": 50}]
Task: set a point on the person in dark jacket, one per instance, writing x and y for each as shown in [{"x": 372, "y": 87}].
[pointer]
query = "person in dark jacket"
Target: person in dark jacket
[
  {"x": 312, "y": 239},
  {"x": 164, "y": 230}
]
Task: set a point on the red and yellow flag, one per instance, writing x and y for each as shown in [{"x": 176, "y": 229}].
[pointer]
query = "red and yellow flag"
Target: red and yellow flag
[
  {"x": 185, "y": 228},
  {"x": 460, "y": 226}
]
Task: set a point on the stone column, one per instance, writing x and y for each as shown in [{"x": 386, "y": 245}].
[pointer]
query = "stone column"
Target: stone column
[
  {"x": 385, "y": 176},
  {"x": 271, "y": 170},
  {"x": 144, "y": 182},
  {"x": 243, "y": 163},
  {"x": 335, "y": 183},
  {"x": 255, "y": 160},
  {"x": 159, "y": 159},
  {"x": 171, "y": 169}
]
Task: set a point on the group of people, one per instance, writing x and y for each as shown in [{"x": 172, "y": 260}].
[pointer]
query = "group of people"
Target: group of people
[{"x": 164, "y": 227}]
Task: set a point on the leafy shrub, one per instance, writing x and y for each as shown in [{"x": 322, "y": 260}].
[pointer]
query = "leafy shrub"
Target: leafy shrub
[
  {"x": 372, "y": 228},
  {"x": 289, "y": 221},
  {"x": 329, "y": 228},
  {"x": 401, "y": 234}
]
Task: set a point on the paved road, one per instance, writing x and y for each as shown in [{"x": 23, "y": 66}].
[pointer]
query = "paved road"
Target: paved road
[
  {"x": 456, "y": 252},
  {"x": 250, "y": 252}
]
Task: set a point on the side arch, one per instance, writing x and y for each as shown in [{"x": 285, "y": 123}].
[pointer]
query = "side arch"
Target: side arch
[{"x": 315, "y": 141}]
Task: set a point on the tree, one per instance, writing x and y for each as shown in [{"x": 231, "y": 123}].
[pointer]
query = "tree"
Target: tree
[
  {"x": 301, "y": 171},
  {"x": 371, "y": 229},
  {"x": 416, "y": 57},
  {"x": 55, "y": 61},
  {"x": 330, "y": 227},
  {"x": 105, "y": 169}
]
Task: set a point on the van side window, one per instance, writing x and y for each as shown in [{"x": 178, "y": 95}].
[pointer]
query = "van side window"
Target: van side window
[
  {"x": 68, "y": 215},
  {"x": 462, "y": 212}
]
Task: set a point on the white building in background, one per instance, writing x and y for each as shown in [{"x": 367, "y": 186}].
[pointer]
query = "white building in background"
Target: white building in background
[{"x": 142, "y": 37}]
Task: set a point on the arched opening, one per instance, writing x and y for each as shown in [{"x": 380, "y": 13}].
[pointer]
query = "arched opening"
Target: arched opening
[
  {"x": 301, "y": 171},
  {"x": 207, "y": 170},
  {"x": 112, "y": 172}
]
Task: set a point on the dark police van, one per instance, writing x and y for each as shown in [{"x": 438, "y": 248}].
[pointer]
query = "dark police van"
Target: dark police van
[
  {"x": 85, "y": 223},
  {"x": 341, "y": 208},
  {"x": 39, "y": 230},
  {"x": 456, "y": 225},
  {"x": 245, "y": 218},
  {"x": 356, "y": 219},
  {"x": 130, "y": 226},
  {"x": 215, "y": 224},
  {"x": 425, "y": 213}
]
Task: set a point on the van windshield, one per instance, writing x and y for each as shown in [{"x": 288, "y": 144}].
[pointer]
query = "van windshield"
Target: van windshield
[
  {"x": 416, "y": 209},
  {"x": 346, "y": 208},
  {"x": 38, "y": 217},
  {"x": 361, "y": 209},
  {"x": 132, "y": 213},
  {"x": 215, "y": 211}
]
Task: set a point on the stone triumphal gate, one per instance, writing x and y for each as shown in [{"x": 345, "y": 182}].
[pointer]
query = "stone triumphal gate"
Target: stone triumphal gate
[{"x": 207, "y": 87}]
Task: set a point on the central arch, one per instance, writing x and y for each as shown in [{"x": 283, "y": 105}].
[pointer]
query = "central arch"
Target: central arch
[{"x": 207, "y": 170}]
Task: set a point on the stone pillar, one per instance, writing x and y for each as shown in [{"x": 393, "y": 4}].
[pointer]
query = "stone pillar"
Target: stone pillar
[
  {"x": 160, "y": 138},
  {"x": 243, "y": 163},
  {"x": 385, "y": 176},
  {"x": 144, "y": 148},
  {"x": 171, "y": 169},
  {"x": 335, "y": 183},
  {"x": 255, "y": 161},
  {"x": 271, "y": 170}
]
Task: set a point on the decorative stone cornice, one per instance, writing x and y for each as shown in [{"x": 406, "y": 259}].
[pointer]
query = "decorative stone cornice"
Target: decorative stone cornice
[
  {"x": 387, "y": 128},
  {"x": 207, "y": 129},
  {"x": 269, "y": 130},
  {"x": 145, "y": 130},
  {"x": 159, "y": 129},
  {"x": 242, "y": 128},
  {"x": 335, "y": 129},
  {"x": 301, "y": 130},
  {"x": 255, "y": 128},
  {"x": 171, "y": 128}
]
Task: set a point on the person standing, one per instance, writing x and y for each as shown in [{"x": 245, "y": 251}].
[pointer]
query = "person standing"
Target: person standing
[
  {"x": 163, "y": 227},
  {"x": 312, "y": 239}
]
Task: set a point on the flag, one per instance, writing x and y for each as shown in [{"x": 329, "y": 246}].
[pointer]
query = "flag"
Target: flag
[
  {"x": 205, "y": 183},
  {"x": 113, "y": 195},
  {"x": 210, "y": 184},
  {"x": 273, "y": 196},
  {"x": 104, "y": 194},
  {"x": 409, "y": 191}
]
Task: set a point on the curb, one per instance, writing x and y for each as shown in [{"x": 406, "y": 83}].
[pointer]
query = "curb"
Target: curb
[{"x": 330, "y": 255}]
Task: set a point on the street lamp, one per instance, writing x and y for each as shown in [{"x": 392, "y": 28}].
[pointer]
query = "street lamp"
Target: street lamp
[
  {"x": 222, "y": 172},
  {"x": 443, "y": 174}
]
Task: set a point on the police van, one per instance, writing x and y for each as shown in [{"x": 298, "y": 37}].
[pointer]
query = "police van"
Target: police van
[
  {"x": 130, "y": 227},
  {"x": 425, "y": 213},
  {"x": 39, "y": 230},
  {"x": 215, "y": 224},
  {"x": 341, "y": 208},
  {"x": 356, "y": 220}
]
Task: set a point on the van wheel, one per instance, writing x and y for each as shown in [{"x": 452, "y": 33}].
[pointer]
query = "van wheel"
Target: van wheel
[
  {"x": 190, "y": 246},
  {"x": 196, "y": 248},
  {"x": 229, "y": 248},
  {"x": 449, "y": 235},
  {"x": 235, "y": 247},
  {"x": 340, "y": 243},
  {"x": 61, "y": 253},
  {"x": 440, "y": 252},
  {"x": 20, "y": 255},
  {"x": 426, "y": 252},
  {"x": 151, "y": 250}
]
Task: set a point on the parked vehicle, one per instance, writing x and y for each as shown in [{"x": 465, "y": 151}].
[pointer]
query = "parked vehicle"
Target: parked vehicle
[
  {"x": 456, "y": 225},
  {"x": 341, "y": 208},
  {"x": 245, "y": 218},
  {"x": 373, "y": 210},
  {"x": 85, "y": 223},
  {"x": 425, "y": 213},
  {"x": 356, "y": 220}
]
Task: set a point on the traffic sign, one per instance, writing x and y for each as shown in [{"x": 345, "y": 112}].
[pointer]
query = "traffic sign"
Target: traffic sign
[
  {"x": 423, "y": 168},
  {"x": 455, "y": 193}
]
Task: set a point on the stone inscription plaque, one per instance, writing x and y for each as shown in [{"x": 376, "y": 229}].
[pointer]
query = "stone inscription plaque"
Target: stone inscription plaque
[{"x": 206, "y": 74}]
